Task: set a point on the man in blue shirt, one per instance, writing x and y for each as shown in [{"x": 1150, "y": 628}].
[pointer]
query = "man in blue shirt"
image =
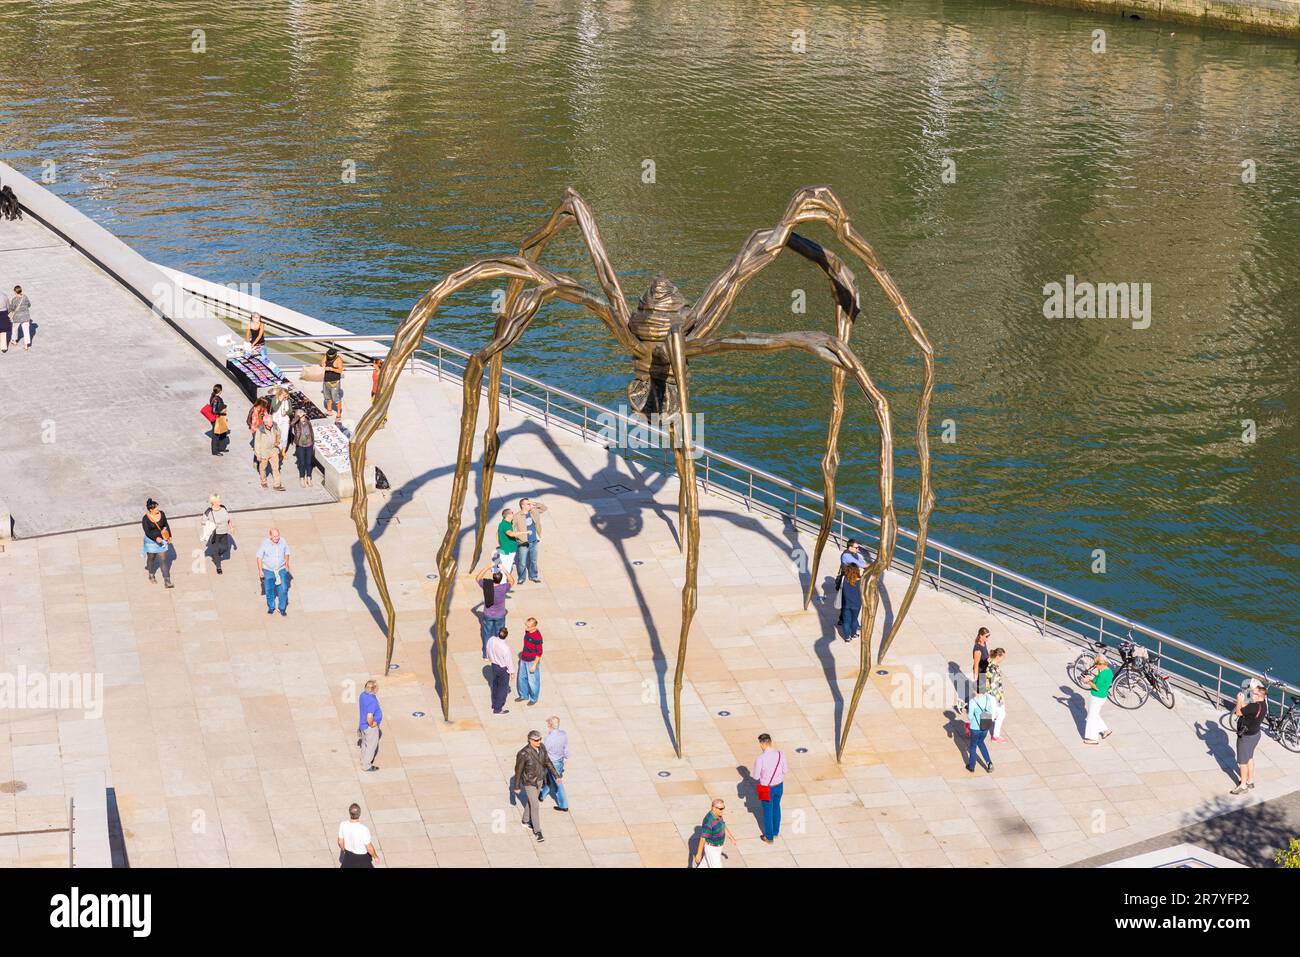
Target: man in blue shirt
[
  {"x": 273, "y": 566},
  {"x": 371, "y": 717}
]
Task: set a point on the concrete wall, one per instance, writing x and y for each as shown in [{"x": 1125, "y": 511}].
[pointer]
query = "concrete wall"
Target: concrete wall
[{"x": 1274, "y": 17}]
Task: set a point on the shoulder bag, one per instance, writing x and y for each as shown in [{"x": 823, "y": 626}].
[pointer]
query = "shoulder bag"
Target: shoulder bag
[{"x": 765, "y": 790}]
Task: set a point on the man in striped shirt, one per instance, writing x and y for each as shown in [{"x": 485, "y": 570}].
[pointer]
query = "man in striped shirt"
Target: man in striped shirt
[
  {"x": 769, "y": 771},
  {"x": 713, "y": 834},
  {"x": 530, "y": 664}
]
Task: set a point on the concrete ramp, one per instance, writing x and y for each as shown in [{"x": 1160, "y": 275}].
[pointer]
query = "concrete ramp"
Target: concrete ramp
[{"x": 103, "y": 412}]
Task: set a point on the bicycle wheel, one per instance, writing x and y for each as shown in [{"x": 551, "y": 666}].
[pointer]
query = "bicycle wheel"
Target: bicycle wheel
[
  {"x": 1079, "y": 668},
  {"x": 1288, "y": 734},
  {"x": 1162, "y": 690},
  {"x": 1232, "y": 721},
  {"x": 1129, "y": 690}
]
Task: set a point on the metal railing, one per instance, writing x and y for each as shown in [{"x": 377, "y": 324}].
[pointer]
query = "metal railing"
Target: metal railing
[{"x": 944, "y": 567}]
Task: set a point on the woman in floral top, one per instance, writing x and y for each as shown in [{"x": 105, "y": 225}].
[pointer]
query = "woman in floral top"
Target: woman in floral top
[{"x": 996, "y": 681}]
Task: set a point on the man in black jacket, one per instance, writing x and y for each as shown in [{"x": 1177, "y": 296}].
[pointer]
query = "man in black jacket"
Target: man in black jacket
[{"x": 532, "y": 764}]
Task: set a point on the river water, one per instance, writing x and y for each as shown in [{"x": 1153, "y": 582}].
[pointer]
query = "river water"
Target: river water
[{"x": 984, "y": 148}]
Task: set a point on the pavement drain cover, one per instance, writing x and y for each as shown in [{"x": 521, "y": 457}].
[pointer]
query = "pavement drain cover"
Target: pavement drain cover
[
  {"x": 581, "y": 624},
  {"x": 882, "y": 672},
  {"x": 431, "y": 577},
  {"x": 665, "y": 774},
  {"x": 638, "y": 563},
  {"x": 800, "y": 750},
  {"x": 417, "y": 714},
  {"x": 393, "y": 667},
  {"x": 617, "y": 489},
  {"x": 724, "y": 714}
]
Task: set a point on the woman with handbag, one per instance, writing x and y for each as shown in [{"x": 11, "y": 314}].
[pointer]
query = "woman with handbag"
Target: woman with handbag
[
  {"x": 157, "y": 548},
  {"x": 304, "y": 446},
  {"x": 218, "y": 526},
  {"x": 216, "y": 414}
]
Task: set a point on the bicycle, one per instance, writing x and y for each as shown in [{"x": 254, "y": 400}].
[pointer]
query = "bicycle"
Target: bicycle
[
  {"x": 1136, "y": 677},
  {"x": 1283, "y": 727}
]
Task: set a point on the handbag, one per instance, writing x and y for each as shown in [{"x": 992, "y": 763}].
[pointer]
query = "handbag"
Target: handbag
[
  {"x": 207, "y": 413},
  {"x": 207, "y": 531},
  {"x": 765, "y": 790},
  {"x": 221, "y": 426}
]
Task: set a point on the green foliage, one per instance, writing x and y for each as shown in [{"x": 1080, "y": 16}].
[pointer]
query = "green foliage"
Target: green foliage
[{"x": 1290, "y": 857}]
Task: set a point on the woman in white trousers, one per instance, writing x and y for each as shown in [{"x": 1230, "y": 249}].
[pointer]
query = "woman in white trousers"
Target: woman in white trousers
[{"x": 1094, "y": 729}]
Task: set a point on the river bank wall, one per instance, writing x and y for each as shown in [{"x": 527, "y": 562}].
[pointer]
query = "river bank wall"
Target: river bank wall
[{"x": 1271, "y": 17}]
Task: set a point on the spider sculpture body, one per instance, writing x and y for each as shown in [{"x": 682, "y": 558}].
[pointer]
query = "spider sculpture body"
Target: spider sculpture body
[{"x": 661, "y": 336}]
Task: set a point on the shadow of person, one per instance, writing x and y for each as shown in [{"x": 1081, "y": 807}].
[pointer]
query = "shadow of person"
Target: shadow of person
[
  {"x": 827, "y": 618},
  {"x": 1071, "y": 699},
  {"x": 693, "y": 845},
  {"x": 1218, "y": 746},
  {"x": 955, "y": 728},
  {"x": 960, "y": 683},
  {"x": 747, "y": 793}
]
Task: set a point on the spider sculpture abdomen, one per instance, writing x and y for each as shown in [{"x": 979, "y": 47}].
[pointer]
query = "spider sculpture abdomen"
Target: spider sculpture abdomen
[{"x": 653, "y": 390}]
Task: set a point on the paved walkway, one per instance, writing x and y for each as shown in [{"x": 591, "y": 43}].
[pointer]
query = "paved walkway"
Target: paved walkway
[
  {"x": 103, "y": 412},
  {"x": 228, "y": 735}
]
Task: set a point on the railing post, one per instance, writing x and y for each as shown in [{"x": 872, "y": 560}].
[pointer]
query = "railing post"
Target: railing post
[
  {"x": 440, "y": 362},
  {"x": 707, "y": 461},
  {"x": 1044, "y": 607},
  {"x": 749, "y": 498},
  {"x": 510, "y": 392},
  {"x": 546, "y": 414},
  {"x": 584, "y": 423},
  {"x": 938, "y": 578},
  {"x": 990, "y": 586}
]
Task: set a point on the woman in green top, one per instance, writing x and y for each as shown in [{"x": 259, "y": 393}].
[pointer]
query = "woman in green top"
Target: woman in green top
[{"x": 1095, "y": 730}]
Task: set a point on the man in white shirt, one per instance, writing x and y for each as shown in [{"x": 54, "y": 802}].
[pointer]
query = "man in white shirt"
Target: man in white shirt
[{"x": 355, "y": 847}]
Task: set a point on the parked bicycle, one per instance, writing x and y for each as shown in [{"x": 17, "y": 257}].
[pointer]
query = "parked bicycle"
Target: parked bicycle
[
  {"x": 1283, "y": 727},
  {"x": 1137, "y": 677}
]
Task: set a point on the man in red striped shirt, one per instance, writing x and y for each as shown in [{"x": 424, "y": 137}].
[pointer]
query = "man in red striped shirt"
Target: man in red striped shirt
[{"x": 530, "y": 664}]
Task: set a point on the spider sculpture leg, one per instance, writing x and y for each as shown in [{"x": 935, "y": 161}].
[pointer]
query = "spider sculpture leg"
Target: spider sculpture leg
[
  {"x": 820, "y": 204},
  {"x": 572, "y": 210},
  {"x": 689, "y": 503},
  {"x": 837, "y": 353},
  {"x": 406, "y": 340}
]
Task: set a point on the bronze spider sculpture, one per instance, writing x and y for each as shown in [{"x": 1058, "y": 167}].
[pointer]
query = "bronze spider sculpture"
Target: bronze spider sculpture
[{"x": 661, "y": 336}]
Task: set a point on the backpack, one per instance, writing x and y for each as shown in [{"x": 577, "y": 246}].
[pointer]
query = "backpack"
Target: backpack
[{"x": 381, "y": 480}]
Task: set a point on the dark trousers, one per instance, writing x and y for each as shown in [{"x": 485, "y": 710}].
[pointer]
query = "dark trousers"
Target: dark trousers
[
  {"x": 220, "y": 442},
  {"x": 500, "y": 687},
  {"x": 220, "y": 548},
  {"x": 306, "y": 459},
  {"x": 156, "y": 560},
  {"x": 357, "y": 860}
]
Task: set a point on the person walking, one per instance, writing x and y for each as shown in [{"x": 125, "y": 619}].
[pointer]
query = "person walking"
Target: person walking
[
  {"x": 223, "y": 526},
  {"x": 368, "y": 729},
  {"x": 304, "y": 446},
  {"x": 273, "y": 566},
  {"x": 981, "y": 707},
  {"x": 6, "y": 326},
  {"x": 849, "y": 601},
  {"x": 1094, "y": 728},
  {"x": 713, "y": 835},
  {"x": 20, "y": 314},
  {"x": 532, "y": 765},
  {"x": 332, "y": 385},
  {"x": 979, "y": 664},
  {"x": 157, "y": 548},
  {"x": 220, "y": 422},
  {"x": 280, "y": 409},
  {"x": 494, "y": 611},
  {"x": 502, "y": 663},
  {"x": 258, "y": 412},
  {"x": 556, "y": 744},
  {"x": 266, "y": 446},
  {"x": 255, "y": 337},
  {"x": 1250, "y": 709},
  {"x": 530, "y": 664},
  {"x": 997, "y": 688},
  {"x": 769, "y": 771},
  {"x": 355, "y": 846}
]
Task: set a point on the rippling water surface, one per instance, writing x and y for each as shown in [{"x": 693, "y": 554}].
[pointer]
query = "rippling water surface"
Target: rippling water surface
[{"x": 1071, "y": 435}]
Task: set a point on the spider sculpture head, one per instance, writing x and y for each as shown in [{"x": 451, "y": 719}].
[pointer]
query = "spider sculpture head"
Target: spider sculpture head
[
  {"x": 653, "y": 390},
  {"x": 661, "y": 336}
]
